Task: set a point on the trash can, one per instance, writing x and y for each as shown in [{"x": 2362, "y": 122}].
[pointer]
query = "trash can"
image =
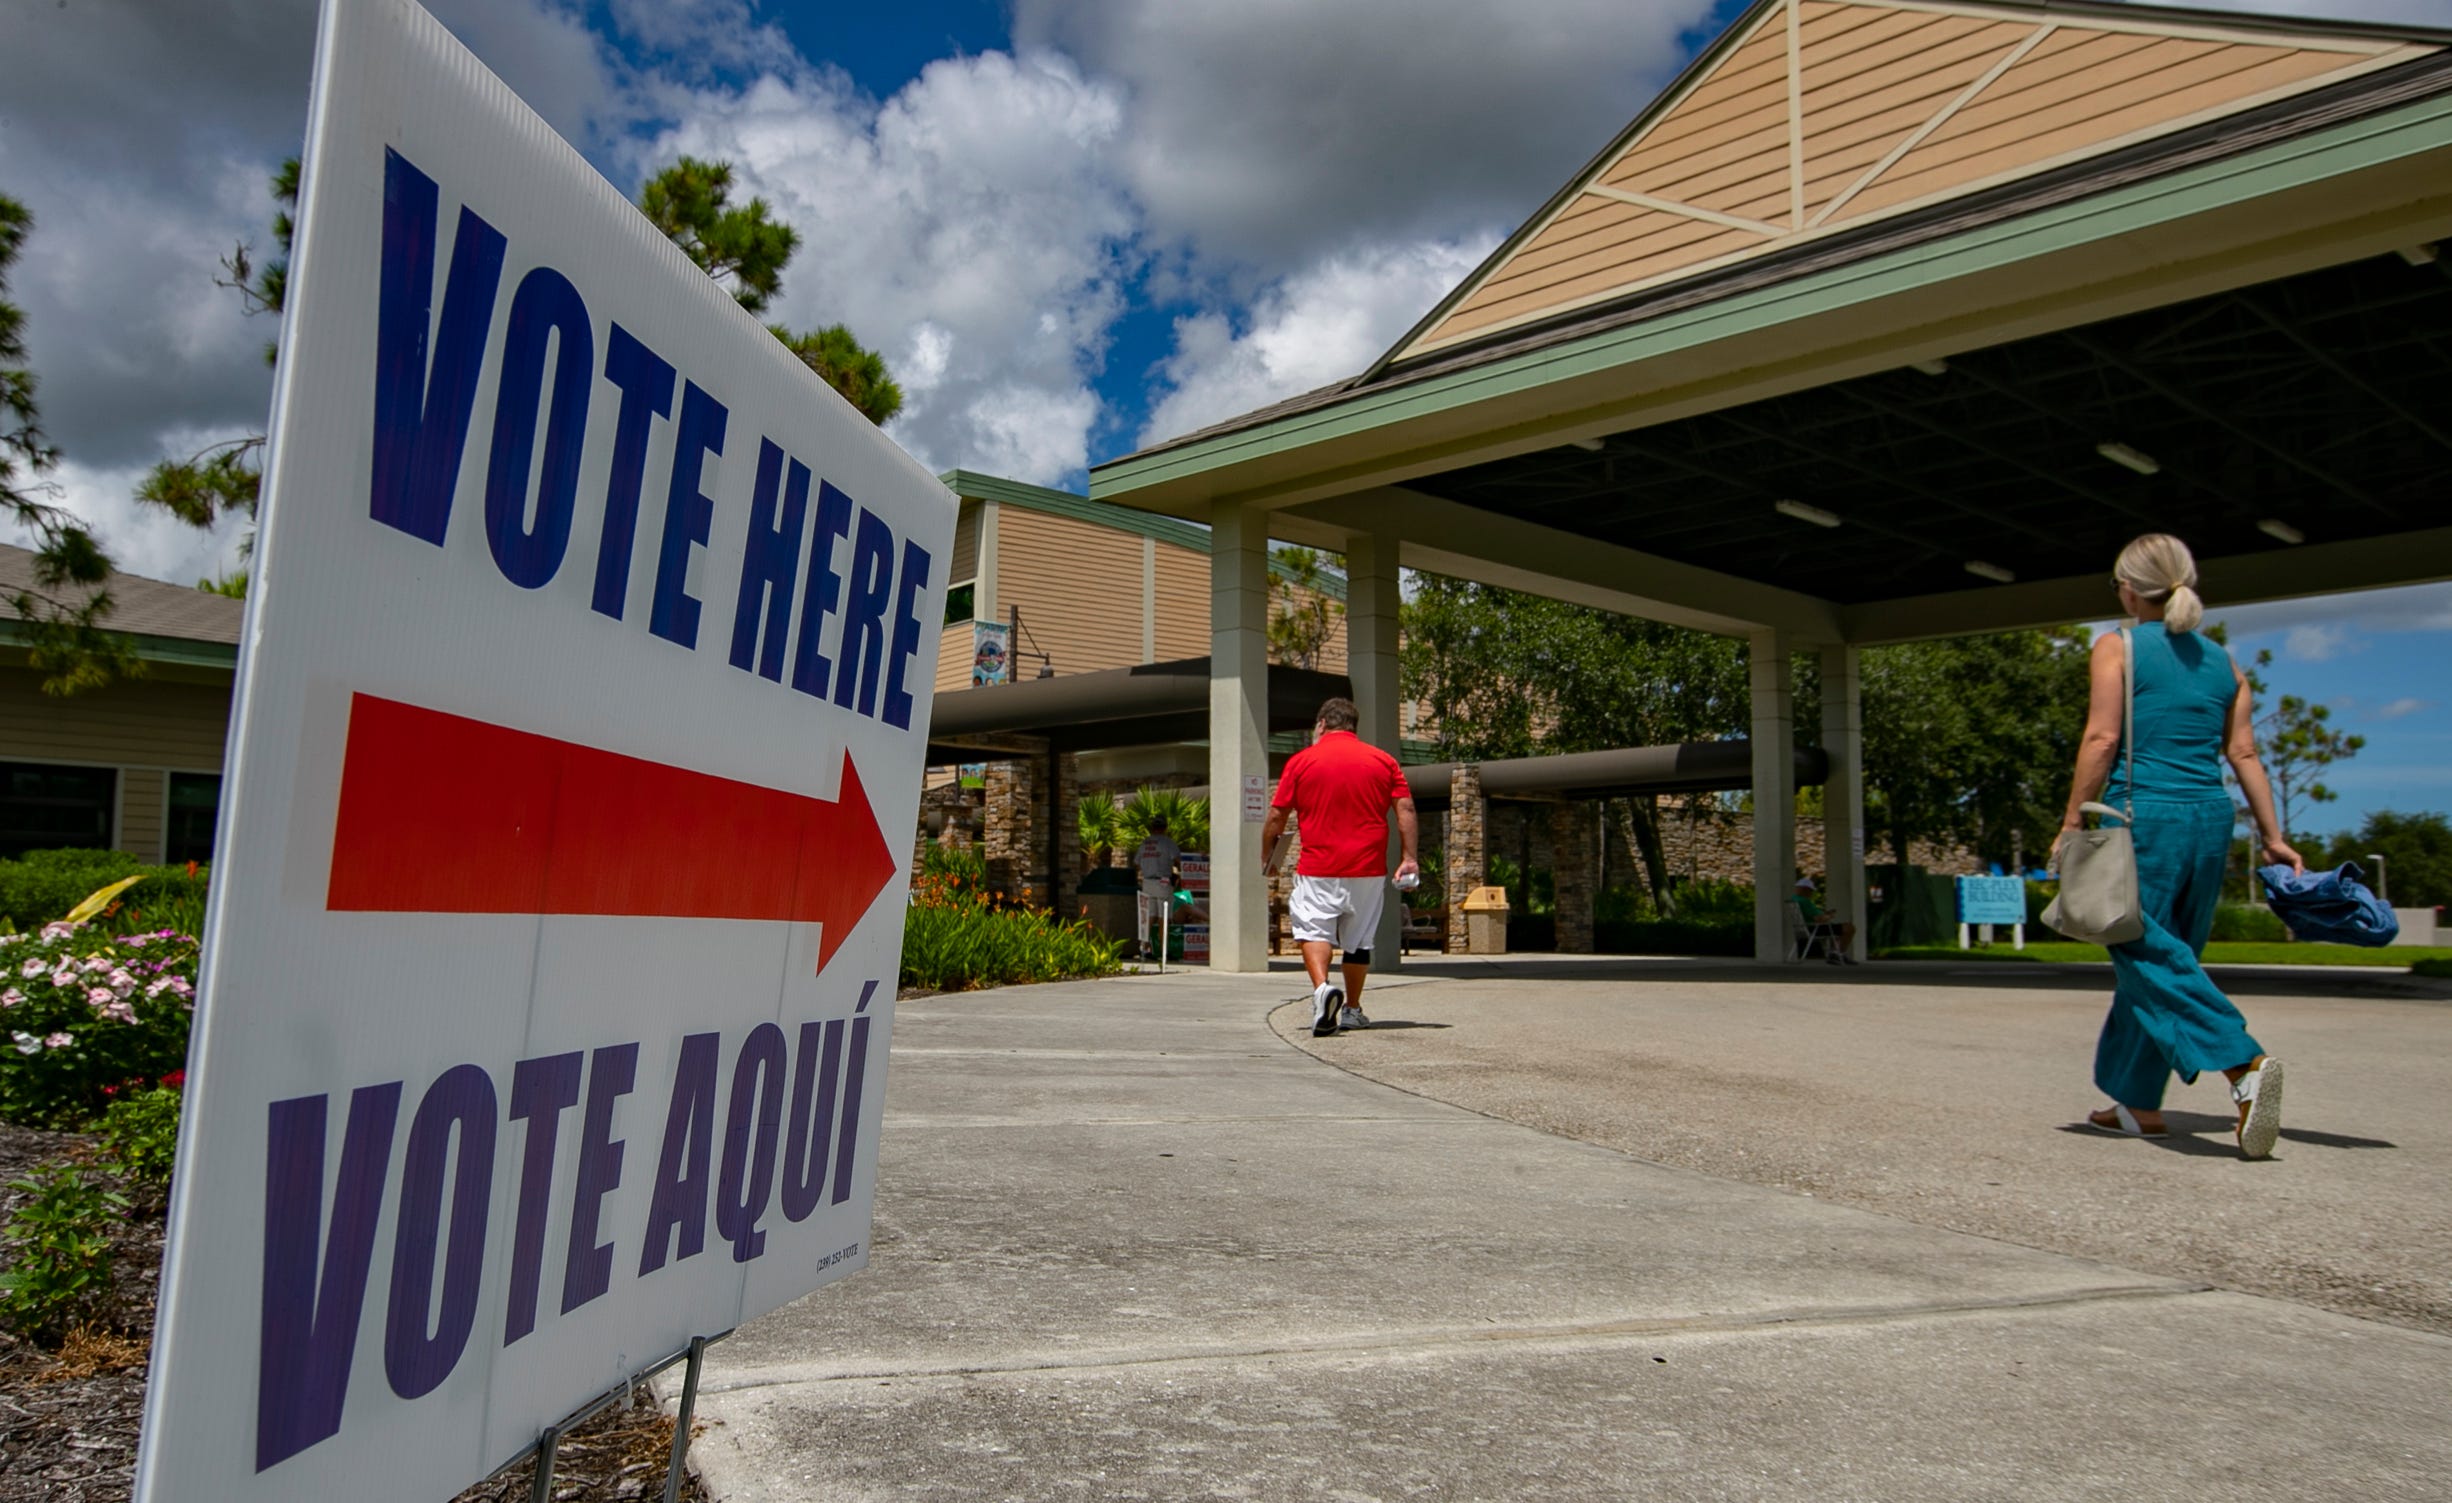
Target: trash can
[
  {"x": 1485, "y": 921},
  {"x": 1108, "y": 893}
]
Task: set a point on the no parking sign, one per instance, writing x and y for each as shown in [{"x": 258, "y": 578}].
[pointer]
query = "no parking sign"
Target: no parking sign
[{"x": 580, "y": 722}]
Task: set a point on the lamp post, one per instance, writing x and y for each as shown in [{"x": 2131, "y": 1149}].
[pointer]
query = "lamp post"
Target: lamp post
[{"x": 2380, "y": 890}]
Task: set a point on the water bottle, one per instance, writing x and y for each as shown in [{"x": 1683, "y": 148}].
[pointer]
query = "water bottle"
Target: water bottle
[{"x": 1408, "y": 881}]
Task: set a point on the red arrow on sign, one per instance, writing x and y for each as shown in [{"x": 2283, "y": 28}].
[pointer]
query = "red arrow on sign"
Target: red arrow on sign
[{"x": 443, "y": 814}]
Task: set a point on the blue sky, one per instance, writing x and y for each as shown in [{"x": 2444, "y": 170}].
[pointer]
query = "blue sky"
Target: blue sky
[{"x": 1073, "y": 227}]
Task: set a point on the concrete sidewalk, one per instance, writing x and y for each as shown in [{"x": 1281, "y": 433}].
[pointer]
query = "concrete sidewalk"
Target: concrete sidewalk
[{"x": 1130, "y": 1244}]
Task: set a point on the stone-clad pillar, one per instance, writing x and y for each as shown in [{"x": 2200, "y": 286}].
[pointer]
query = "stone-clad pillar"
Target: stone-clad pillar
[
  {"x": 1010, "y": 841},
  {"x": 1575, "y": 874},
  {"x": 1467, "y": 847}
]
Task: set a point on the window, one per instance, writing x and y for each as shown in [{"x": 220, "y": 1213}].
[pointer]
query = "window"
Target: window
[
  {"x": 960, "y": 601},
  {"x": 195, "y": 802},
  {"x": 47, "y": 808}
]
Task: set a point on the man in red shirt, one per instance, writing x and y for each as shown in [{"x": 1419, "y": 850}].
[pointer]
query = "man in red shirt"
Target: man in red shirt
[{"x": 1340, "y": 791}]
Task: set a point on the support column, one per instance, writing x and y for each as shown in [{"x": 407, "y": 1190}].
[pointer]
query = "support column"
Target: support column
[
  {"x": 1370, "y": 654},
  {"x": 1464, "y": 861},
  {"x": 1774, "y": 742},
  {"x": 1843, "y": 797},
  {"x": 1574, "y": 874},
  {"x": 1238, "y": 735}
]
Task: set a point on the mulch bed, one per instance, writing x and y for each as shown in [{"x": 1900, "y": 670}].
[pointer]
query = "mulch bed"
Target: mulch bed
[{"x": 69, "y": 1419}]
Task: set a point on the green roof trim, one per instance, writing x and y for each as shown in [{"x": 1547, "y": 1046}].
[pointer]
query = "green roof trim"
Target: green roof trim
[
  {"x": 181, "y": 650},
  {"x": 2424, "y": 125},
  {"x": 973, "y": 486}
]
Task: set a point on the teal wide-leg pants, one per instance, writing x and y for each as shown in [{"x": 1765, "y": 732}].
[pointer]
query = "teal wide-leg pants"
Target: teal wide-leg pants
[{"x": 2166, "y": 1014}]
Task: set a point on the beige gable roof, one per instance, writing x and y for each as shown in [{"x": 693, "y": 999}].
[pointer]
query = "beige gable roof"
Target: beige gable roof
[
  {"x": 1817, "y": 116},
  {"x": 145, "y": 607}
]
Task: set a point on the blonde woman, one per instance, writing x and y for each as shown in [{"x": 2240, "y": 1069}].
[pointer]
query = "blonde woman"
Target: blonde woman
[{"x": 2194, "y": 712}]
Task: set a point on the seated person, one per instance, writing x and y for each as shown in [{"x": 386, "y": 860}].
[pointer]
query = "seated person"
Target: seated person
[{"x": 1814, "y": 913}]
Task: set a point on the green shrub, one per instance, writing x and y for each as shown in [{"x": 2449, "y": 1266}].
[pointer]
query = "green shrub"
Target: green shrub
[
  {"x": 86, "y": 1010},
  {"x": 2438, "y": 966},
  {"x": 963, "y": 861},
  {"x": 1710, "y": 899},
  {"x": 43, "y": 885},
  {"x": 2249, "y": 921},
  {"x": 1678, "y": 936},
  {"x": 140, "y": 1132},
  {"x": 956, "y": 946},
  {"x": 59, "y": 1253}
]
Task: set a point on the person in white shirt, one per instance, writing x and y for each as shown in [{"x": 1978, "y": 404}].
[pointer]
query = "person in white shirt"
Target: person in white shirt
[{"x": 1158, "y": 860}]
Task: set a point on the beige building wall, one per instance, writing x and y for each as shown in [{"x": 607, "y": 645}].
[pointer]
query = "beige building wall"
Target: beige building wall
[
  {"x": 1078, "y": 586},
  {"x": 146, "y": 728},
  {"x": 1091, "y": 596}
]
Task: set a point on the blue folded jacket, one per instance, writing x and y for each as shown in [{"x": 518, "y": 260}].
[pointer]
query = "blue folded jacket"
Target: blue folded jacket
[{"x": 2332, "y": 907}]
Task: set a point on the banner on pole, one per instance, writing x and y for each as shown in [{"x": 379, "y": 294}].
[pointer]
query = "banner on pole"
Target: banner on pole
[{"x": 580, "y": 722}]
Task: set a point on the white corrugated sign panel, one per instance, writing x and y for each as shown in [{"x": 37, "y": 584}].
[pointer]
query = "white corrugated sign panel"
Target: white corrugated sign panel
[{"x": 551, "y": 954}]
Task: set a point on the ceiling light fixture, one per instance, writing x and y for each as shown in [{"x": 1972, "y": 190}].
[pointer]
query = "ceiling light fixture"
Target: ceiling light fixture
[
  {"x": 2281, "y": 531},
  {"x": 1933, "y": 367},
  {"x": 1588, "y": 445},
  {"x": 1993, "y": 572},
  {"x": 1803, "y": 513},
  {"x": 2122, "y": 454}
]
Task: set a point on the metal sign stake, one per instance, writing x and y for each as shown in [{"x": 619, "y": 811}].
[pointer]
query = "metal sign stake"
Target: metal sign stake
[{"x": 681, "y": 1425}]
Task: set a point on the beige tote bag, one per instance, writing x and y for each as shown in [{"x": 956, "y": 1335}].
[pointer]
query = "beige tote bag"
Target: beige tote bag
[{"x": 2099, "y": 903}]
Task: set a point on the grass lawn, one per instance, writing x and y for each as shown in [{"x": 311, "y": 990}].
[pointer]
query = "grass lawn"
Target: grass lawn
[{"x": 2221, "y": 952}]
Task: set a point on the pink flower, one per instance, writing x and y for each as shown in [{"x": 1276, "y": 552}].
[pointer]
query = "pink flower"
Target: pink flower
[
  {"x": 63, "y": 978},
  {"x": 119, "y": 1012},
  {"x": 59, "y": 930},
  {"x": 59, "y": 1041},
  {"x": 11, "y": 997},
  {"x": 27, "y": 1043},
  {"x": 180, "y": 988},
  {"x": 30, "y": 969},
  {"x": 99, "y": 996}
]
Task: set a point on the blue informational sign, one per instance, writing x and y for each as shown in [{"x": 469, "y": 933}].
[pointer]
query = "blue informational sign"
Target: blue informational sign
[{"x": 1991, "y": 900}]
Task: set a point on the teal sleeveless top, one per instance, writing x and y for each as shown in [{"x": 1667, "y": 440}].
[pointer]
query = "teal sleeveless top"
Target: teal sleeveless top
[{"x": 2184, "y": 691}]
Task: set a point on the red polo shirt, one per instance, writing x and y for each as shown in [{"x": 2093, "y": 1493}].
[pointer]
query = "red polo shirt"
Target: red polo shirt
[{"x": 1341, "y": 789}]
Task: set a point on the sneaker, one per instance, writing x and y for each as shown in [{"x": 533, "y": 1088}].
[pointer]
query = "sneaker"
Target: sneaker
[
  {"x": 1327, "y": 999},
  {"x": 1351, "y": 1017},
  {"x": 2259, "y": 1094}
]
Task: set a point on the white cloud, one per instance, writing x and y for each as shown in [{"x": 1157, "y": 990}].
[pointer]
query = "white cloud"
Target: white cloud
[
  {"x": 969, "y": 228},
  {"x": 2319, "y": 643},
  {"x": 1269, "y": 133},
  {"x": 1323, "y": 324},
  {"x": 2409, "y": 608},
  {"x": 144, "y": 540},
  {"x": 2403, "y": 706}
]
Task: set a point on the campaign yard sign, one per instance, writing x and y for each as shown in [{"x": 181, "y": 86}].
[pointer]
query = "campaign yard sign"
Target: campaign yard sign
[{"x": 551, "y": 956}]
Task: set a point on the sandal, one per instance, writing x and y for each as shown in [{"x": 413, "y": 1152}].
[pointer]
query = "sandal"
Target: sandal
[
  {"x": 2259, "y": 1094},
  {"x": 2120, "y": 1122}
]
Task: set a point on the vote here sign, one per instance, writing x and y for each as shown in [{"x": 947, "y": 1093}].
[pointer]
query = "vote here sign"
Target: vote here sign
[{"x": 551, "y": 956}]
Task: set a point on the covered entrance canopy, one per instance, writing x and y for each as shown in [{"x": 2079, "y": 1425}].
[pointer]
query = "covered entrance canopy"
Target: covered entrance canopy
[
  {"x": 1894, "y": 319},
  {"x": 1150, "y": 704}
]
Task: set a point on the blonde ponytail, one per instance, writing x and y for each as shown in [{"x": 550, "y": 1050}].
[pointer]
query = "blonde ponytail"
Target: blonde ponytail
[{"x": 2159, "y": 569}]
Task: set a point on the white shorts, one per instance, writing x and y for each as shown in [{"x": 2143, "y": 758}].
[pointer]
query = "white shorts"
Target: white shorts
[{"x": 1341, "y": 911}]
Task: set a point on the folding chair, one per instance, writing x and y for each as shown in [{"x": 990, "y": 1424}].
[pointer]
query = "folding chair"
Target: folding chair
[{"x": 1809, "y": 930}]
